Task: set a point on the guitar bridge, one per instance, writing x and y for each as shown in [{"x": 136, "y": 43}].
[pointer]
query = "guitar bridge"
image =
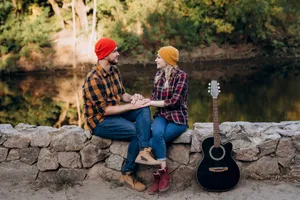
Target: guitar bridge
[{"x": 218, "y": 169}]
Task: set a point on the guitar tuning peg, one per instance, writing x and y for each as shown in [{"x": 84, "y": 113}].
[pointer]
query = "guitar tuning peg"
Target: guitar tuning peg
[
  {"x": 208, "y": 87},
  {"x": 219, "y": 90},
  {"x": 208, "y": 91},
  {"x": 218, "y": 83},
  {"x": 209, "y": 84},
  {"x": 219, "y": 87}
]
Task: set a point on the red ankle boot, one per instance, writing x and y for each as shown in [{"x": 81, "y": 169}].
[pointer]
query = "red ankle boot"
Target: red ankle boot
[
  {"x": 164, "y": 179},
  {"x": 154, "y": 187}
]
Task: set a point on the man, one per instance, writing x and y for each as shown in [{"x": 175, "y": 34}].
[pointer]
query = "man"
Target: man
[{"x": 103, "y": 92}]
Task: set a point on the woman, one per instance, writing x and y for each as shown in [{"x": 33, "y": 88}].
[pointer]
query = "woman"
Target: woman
[{"x": 171, "y": 119}]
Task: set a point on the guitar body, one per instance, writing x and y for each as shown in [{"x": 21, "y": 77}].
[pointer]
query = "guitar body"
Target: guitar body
[{"x": 217, "y": 171}]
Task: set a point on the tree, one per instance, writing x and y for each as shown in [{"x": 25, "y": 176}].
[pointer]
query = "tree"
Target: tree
[
  {"x": 81, "y": 12},
  {"x": 57, "y": 12}
]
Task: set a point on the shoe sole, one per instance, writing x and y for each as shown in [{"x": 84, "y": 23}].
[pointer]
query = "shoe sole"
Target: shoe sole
[
  {"x": 145, "y": 162},
  {"x": 152, "y": 193},
  {"x": 130, "y": 187},
  {"x": 165, "y": 189}
]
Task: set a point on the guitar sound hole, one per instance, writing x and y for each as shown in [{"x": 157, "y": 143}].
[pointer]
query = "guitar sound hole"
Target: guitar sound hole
[{"x": 217, "y": 153}]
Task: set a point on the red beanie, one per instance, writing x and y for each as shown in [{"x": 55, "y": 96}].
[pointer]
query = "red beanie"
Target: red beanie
[{"x": 104, "y": 47}]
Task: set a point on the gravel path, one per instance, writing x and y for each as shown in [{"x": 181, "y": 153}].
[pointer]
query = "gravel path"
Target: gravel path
[{"x": 99, "y": 190}]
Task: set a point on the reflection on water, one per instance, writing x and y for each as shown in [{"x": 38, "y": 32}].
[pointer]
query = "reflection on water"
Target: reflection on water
[{"x": 250, "y": 91}]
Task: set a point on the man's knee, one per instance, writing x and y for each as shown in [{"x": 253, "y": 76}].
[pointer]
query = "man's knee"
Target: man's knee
[
  {"x": 131, "y": 130},
  {"x": 145, "y": 110}
]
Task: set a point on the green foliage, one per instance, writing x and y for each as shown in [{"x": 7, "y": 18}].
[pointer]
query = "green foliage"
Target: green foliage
[
  {"x": 141, "y": 27},
  {"x": 22, "y": 34},
  {"x": 5, "y": 9}
]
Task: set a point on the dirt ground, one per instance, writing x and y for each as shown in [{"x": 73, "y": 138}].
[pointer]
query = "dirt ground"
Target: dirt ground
[{"x": 101, "y": 190}]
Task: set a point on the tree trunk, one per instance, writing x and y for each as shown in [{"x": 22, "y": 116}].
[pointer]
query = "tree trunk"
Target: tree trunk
[
  {"x": 93, "y": 29},
  {"x": 74, "y": 33},
  {"x": 80, "y": 10},
  {"x": 14, "y": 4},
  {"x": 77, "y": 100},
  {"x": 57, "y": 13}
]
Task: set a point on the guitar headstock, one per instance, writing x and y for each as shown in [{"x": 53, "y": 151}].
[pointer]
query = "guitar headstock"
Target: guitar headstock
[{"x": 214, "y": 88}]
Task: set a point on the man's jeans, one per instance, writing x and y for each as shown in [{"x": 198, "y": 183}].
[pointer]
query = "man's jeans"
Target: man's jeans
[
  {"x": 122, "y": 127},
  {"x": 164, "y": 132}
]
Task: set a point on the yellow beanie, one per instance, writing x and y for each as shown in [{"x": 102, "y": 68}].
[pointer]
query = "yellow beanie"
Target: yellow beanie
[{"x": 169, "y": 54}]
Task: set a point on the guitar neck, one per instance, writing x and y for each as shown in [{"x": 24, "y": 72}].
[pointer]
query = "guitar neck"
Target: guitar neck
[{"x": 216, "y": 123}]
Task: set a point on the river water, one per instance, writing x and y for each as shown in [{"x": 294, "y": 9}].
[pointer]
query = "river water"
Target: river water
[{"x": 251, "y": 90}]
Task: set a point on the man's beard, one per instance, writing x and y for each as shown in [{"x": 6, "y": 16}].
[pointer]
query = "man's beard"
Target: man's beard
[{"x": 113, "y": 62}]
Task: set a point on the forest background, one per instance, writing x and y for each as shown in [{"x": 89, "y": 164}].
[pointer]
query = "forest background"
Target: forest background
[{"x": 45, "y": 34}]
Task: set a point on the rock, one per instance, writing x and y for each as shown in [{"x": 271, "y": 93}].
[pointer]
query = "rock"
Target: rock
[
  {"x": 201, "y": 131},
  {"x": 17, "y": 171},
  {"x": 100, "y": 142},
  {"x": 29, "y": 155},
  {"x": 297, "y": 159},
  {"x": 69, "y": 159},
  {"x": 285, "y": 151},
  {"x": 295, "y": 172},
  {"x": 5, "y": 130},
  {"x": 92, "y": 154},
  {"x": 13, "y": 155},
  {"x": 183, "y": 177},
  {"x": 47, "y": 160},
  {"x": 5, "y": 127},
  {"x": 195, "y": 159},
  {"x": 88, "y": 134},
  {"x": 41, "y": 136},
  {"x": 241, "y": 144},
  {"x": 268, "y": 147},
  {"x": 249, "y": 154},
  {"x": 114, "y": 162},
  {"x": 3, "y": 154},
  {"x": 68, "y": 138},
  {"x": 119, "y": 148},
  {"x": 179, "y": 153},
  {"x": 231, "y": 130},
  {"x": 296, "y": 141},
  {"x": 145, "y": 172},
  {"x": 23, "y": 127},
  {"x": 17, "y": 141},
  {"x": 184, "y": 138},
  {"x": 100, "y": 171},
  {"x": 48, "y": 176},
  {"x": 172, "y": 166},
  {"x": 71, "y": 175},
  {"x": 264, "y": 167}
]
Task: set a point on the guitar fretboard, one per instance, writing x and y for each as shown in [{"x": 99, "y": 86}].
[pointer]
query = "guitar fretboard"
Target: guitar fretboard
[{"x": 216, "y": 123}]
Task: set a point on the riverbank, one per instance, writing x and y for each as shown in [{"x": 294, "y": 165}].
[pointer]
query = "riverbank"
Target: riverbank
[{"x": 60, "y": 55}]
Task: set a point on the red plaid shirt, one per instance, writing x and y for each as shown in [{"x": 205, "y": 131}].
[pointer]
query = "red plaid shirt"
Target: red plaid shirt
[{"x": 175, "y": 97}]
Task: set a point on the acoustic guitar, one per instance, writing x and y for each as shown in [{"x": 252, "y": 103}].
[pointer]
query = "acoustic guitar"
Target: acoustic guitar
[{"x": 217, "y": 170}]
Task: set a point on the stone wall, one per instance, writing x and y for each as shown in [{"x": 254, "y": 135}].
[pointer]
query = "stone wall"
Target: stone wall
[{"x": 29, "y": 153}]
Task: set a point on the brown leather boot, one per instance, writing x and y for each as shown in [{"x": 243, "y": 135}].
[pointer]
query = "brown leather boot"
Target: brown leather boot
[
  {"x": 154, "y": 187},
  {"x": 145, "y": 157},
  {"x": 164, "y": 179},
  {"x": 132, "y": 182}
]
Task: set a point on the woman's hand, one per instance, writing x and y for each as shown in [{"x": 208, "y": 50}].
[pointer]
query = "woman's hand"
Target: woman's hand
[
  {"x": 134, "y": 98},
  {"x": 141, "y": 103}
]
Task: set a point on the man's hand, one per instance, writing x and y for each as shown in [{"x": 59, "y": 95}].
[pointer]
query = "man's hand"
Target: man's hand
[
  {"x": 134, "y": 98},
  {"x": 141, "y": 103}
]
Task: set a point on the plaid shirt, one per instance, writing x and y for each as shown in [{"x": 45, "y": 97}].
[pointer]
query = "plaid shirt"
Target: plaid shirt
[
  {"x": 100, "y": 90},
  {"x": 175, "y": 97}
]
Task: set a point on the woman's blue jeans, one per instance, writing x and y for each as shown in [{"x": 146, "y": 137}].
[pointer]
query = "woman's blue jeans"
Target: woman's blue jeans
[
  {"x": 134, "y": 126},
  {"x": 164, "y": 132}
]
